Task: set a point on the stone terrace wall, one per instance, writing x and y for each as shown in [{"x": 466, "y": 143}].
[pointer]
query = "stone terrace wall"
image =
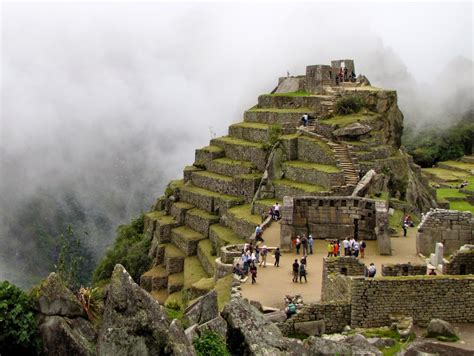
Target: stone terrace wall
[
  {"x": 463, "y": 257},
  {"x": 334, "y": 315},
  {"x": 329, "y": 217},
  {"x": 450, "y": 298},
  {"x": 403, "y": 269},
  {"x": 452, "y": 228},
  {"x": 335, "y": 284}
]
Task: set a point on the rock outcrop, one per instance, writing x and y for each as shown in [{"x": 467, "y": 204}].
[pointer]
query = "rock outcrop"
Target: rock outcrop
[{"x": 441, "y": 328}]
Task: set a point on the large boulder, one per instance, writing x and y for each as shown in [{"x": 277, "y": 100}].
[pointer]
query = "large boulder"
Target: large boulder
[
  {"x": 324, "y": 347},
  {"x": 133, "y": 322},
  {"x": 217, "y": 325},
  {"x": 423, "y": 347},
  {"x": 54, "y": 298},
  {"x": 276, "y": 316},
  {"x": 438, "y": 327},
  {"x": 353, "y": 130},
  {"x": 179, "y": 344},
  {"x": 205, "y": 308},
  {"x": 311, "y": 328},
  {"x": 64, "y": 336},
  {"x": 250, "y": 334},
  {"x": 359, "y": 342}
]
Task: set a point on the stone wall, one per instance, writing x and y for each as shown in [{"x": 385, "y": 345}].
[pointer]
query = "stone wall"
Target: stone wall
[
  {"x": 330, "y": 218},
  {"x": 461, "y": 262},
  {"x": 403, "y": 269},
  {"x": 335, "y": 284},
  {"x": 450, "y": 298},
  {"x": 318, "y": 76},
  {"x": 333, "y": 315},
  {"x": 452, "y": 228}
]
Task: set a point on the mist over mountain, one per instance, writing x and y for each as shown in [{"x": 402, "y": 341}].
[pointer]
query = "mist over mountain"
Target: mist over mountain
[{"x": 103, "y": 104}]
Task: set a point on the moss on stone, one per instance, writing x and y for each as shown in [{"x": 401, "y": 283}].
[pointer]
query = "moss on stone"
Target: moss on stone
[
  {"x": 323, "y": 145},
  {"x": 281, "y": 111},
  {"x": 237, "y": 141},
  {"x": 290, "y": 136},
  {"x": 208, "y": 251},
  {"x": 176, "y": 279},
  {"x": 212, "y": 148},
  {"x": 308, "y": 188},
  {"x": 243, "y": 212},
  {"x": 225, "y": 234},
  {"x": 188, "y": 233},
  {"x": 209, "y": 193},
  {"x": 252, "y": 125},
  {"x": 293, "y": 94},
  {"x": 213, "y": 175},
  {"x": 160, "y": 295},
  {"x": 250, "y": 176},
  {"x": 223, "y": 286},
  {"x": 183, "y": 205},
  {"x": 202, "y": 214},
  {"x": 233, "y": 162},
  {"x": 156, "y": 271},
  {"x": 172, "y": 251},
  {"x": 161, "y": 217},
  {"x": 205, "y": 284},
  {"x": 315, "y": 166},
  {"x": 193, "y": 271},
  {"x": 178, "y": 183}
]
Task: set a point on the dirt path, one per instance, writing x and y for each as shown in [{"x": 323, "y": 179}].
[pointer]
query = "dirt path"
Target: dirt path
[{"x": 273, "y": 283}]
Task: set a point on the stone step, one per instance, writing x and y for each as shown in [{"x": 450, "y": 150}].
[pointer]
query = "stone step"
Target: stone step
[
  {"x": 178, "y": 211},
  {"x": 188, "y": 170},
  {"x": 175, "y": 282},
  {"x": 222, "y": 236},
  {"x": 275, "y": 116},
  {"x": 186, "y": 239},
  {"x": 251, "y": 131},
  {"x": 154, "y": 279},
  {"x": 207, "y": 154},
  {"x": 193, "y": 271},
  {"x": 200, "y": 220},
  {"x": 158, "y": 225},
  {"x": 207, "y": 256},
  {"x": 173, "y": 258},
  {"x": 242, "y": 221},
  {"x": 313, "y": 173},
  {"x": 239, "y": 149},
  {"x": 289, "y": 101},
  {"x": 230, "y": 167},
  {"x": 208, "y": 200},
  {"x": 288, "y": 187}
]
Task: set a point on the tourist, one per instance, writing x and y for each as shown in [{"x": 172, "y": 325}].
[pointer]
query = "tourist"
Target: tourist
[
  {"x": 464, "y": 184},
  {"x": 253, "y": 272},
  {"x": 405, "y": 229},
  {"x": 298, "y": 244},
  {"x": 303, "y": 272},
  {"x": 290, "y": 310},
  {"x": 330, "y": 249},
  {"x": 353, "y": 77},
  {"x": 294, "y": 243},
  {"x": 257, "y": 253},
  {"x": 304, "y": 260},
  {"x": 345, "y": 75},
  {"x": 246, "y": 261},
  {"x": 276, "y": 209},
  {"x": 371, "y": 270},
  {"x": 362, "y": 247},
  {"x": 277, "y": 257},
  {"x": 351, "y": 245},
  {"x": 271, "y": 213},
  {"x": 264, "y": 256},
  {"x": 335, "y": 252},
  {"x": 347, "y": 250},
  {"x": 259, "y": 233},
  {"x": 432, "y": 272},
  {"x": 337, "y": 80},
  {"x": 304, "y": 242},
  {"x": 296, "y": 268},
  {"x": 355, "y": 248},
  {"x": 305, "y": 119},
  {"x": 310, "y": 244},
  {"x": 238, "y": 271}
]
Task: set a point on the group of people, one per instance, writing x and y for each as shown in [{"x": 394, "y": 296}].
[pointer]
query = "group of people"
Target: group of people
[
  {"x": 274, "y": 212},
  {"x": 345, "y": 76},
  {"x": 299, "y": 270},
  {"x": 304, "y": 242},
  {"x": 253, "y": 256},
  {"x": 350, "y": 245}
]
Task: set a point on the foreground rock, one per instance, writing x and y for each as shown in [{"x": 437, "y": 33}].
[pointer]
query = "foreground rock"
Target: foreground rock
[
  {"x": 438, "y": 327},
  {"x": 135, "y": 324},
  {"x": 324, "y": 347},
  {"x": 353, "y": 130},
  {"x": 250, "y": 334},
  {"x": 428, "y": 348},
  {"x": 204, "y": 309}
]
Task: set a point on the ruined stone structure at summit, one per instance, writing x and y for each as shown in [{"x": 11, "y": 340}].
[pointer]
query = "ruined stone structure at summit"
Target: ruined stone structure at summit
[{"x": 269, "y": 156}]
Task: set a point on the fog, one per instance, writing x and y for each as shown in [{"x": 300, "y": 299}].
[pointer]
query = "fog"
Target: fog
[{"x": 102, "y": 104}]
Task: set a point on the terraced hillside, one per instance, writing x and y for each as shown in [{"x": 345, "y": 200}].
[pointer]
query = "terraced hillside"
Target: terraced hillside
[
  {"x": 447, "y": 177},
  {"x": 264, "y": 158}
]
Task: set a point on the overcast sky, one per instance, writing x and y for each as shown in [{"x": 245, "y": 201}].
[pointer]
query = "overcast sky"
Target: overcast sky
[{"x": 97, "y": 94}]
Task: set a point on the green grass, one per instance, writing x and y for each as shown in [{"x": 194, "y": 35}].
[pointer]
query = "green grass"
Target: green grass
[
  {"x": 316, "y": 166},
  {"x": 237, "y": 141},
  {"x": 257, "y": 175},
  {"x": 156, "y": 271},
  {"x": 172, "y": 251},
  {"x": 323, "y": 145},
  {"x": 460, "y": 165},
  {"x": 183, "y": 205},
  {"x": 208, "y": 250},
  {"x": 203, "y": 214},
  {"x": 176, "y": 279},
  {"x": 205, "y": 283},
  {"x": 295, "y": 93},
  {"x": 448, "y": 338},
  {"x": 461, "y": 206},
  {"x": 470, "y": 187},
  {"x": 344, "y": 120},
  {"x": 381, "y": 332},
  {"x": 187, "y": 233},
  {"x": 443, "y": 193},
  {"x": 268, "y": 202},
  {"x": 209, "y": 193},
  {"x": 162, "y": 219},
  {"x": 252, "y": 125},
  {"x": 242, "y": 212},
  {"x": 445, "y": 174},
  {"x": 223, "y": 290},
  {"x": 395, "y": 220},
  {"x": 290, "y": 136},
  {"x": 213, "y": 175},
  {"x": 380, "y": 196},
  {"x": 193, "y": 271},
  {"x": 393, "y": 350},
  {"x": 212, "y": 148},
  {"x": 178, "y": 183},
  {"x": 174, "y": 313},
  {"x": 282, "y": 111},
  {"x": 225, "y": 234},
  {"x": 308, "y": 188},
  {"x": 233, "y": 162}
]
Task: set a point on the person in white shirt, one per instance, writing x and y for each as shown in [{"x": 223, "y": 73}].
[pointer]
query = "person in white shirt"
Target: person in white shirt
[
  {"x": 347, "y": 249},
  {"x": 276, "y": 209}
]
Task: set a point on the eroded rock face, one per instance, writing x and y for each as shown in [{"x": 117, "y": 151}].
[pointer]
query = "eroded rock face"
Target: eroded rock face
[
  {"x": 65, "y": 336},
  {"x": 133, "y": 322},
  {"x": 250, "y": 334},
  {"x": 361, "y": 343},
  {"x": 54, "y": 298},
  {"x": 217, "y": 325},
  {"x": 204, "y": 309},
  {"x": 353, "y": 130},
  {"x": 318, "y": 346},
  {"x": 179, "y": 344}
]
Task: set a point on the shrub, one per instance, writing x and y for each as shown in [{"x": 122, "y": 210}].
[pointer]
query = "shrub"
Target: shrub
[
  {"x": 349, "y": 105},
  {"x": 130, "y": 249},
  {"x": 17, "y": 322},
  {"x": 210, "y": 344}
]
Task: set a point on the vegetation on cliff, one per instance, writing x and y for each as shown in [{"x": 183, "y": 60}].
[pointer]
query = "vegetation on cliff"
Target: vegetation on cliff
[{"x": 130, "y": 250}]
